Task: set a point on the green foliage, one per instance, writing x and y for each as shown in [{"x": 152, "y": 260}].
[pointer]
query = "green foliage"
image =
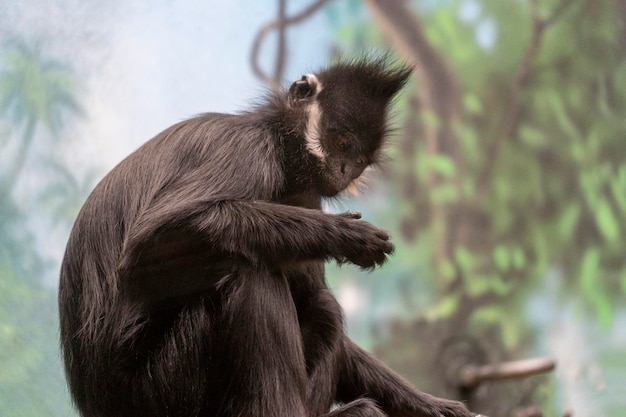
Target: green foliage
[
  {"x": 513, "y": 199},
  {"x": 64, "y": 196},
  {"x": 472, "y": 104},
  {"x": 557, "y": 191},
  {"x": 445, "y": 308},
  {"x": 352, "y": 31},
  {"x": 32, "y": 87},
  {"x": 34, "y": 92},
  {"x": 594, "y": 288},
  {"x": 31, "y": 383},
  {"x": 16, "y": 241}
]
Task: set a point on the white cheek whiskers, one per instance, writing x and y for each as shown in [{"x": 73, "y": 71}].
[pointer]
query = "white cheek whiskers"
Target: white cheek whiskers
[
  {"x": 312, "y": 133},
  {"x": 360, "y": 184}
]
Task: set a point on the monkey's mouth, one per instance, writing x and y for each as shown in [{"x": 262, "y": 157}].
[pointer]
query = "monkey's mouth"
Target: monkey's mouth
[
  {"x": 332, "y": 183},
  {"x": 354, "y": 188}
]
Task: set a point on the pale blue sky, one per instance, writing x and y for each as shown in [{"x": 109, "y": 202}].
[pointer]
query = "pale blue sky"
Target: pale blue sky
[
  {"x": 143, "y": 65},
  {"x": 148, "y": 64}
]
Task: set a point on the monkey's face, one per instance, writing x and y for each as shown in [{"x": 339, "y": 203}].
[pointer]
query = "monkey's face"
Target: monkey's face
[
  {"x": 345, "y": 108},
  {"x": 349, "y": 140}
]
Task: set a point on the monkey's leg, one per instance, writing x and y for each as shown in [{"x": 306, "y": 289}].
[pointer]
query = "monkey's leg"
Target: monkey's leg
[
  {"x": 260, "y": 362},
  {"x": 322, "y": 331},
  {"x": 321, "y": 324},
  {"x": 364, "y": 375}
]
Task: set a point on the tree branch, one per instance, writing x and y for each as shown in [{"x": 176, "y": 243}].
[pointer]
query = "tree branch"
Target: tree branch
[
  {"x": 439, "y": 97},
  {"x": 511, "y": 115},
  {"x": 472, "y": 375},
  {"x": 439, "y": 90},
  {"x": 279, "y": 67},
  {"x": 280, "y": 23}
]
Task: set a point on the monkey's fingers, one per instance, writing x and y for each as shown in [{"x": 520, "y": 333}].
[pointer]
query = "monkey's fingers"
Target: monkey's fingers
[
  {"x": 381, "y": 234},
  {"x": 373, "y": 255},
  {"x": 387, "y": 247}
]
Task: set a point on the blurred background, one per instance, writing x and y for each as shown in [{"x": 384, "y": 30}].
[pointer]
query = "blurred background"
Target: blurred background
[{"x": 505, "y": 197}]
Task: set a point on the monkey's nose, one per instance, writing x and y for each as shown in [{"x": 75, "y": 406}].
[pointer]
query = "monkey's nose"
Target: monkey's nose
[{"x": 343, "y": 168}]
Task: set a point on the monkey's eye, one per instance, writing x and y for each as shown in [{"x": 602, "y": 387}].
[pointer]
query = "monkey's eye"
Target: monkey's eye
[
  {"x": 343, "y": 143},
  {"x": 360, "y": 161}
]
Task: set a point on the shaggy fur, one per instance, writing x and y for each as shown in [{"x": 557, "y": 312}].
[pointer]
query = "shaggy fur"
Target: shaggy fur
[{"x": 193, "y": 280}]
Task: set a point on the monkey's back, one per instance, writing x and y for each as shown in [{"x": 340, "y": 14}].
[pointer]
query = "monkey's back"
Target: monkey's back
[{"x": 107, "y": 335}]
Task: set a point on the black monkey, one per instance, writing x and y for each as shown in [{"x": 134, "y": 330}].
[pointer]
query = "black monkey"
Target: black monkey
[{"x": 193, "y": 280}]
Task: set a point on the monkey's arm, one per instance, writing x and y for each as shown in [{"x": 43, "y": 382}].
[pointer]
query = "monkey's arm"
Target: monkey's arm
[
  {"x": 183, "y": 238},
  {"x": 274, "y": 233},
  {"x": 364, "y": 375}
]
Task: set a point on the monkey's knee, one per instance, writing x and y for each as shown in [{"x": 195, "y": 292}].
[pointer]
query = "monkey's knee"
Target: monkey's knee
[{"x": 363, "y": 407}]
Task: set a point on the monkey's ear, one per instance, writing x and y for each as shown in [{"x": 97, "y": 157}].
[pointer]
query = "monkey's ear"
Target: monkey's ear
[{"x": 304, "y": 88}]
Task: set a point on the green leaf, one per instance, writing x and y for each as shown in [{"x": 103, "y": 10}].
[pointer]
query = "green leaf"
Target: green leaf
[
  {"x": 444, "y": 193},
  {"x": 442, "y": 164},
  {"x": 445, "y": 308},
  {"x": 606, "y": 221},
  {"x": 589, "y": 269},
  {"x": 500, "y": 286},
  {"x": 599, "y": 301},
  {"x": 568, "y": 221},
  {"x": 481, "y": 284},
  {"x": 489, "y": 314},
  {"x": 501, "y": 257},
  {"x": 447, "y": 270},
  {"x": 464, "y": 258},
  {"x": 592, "y": 287},
  {"x": 476, "y": 285},
  {"x": 532, "y": 137},
  {"x": 559, "y": 111},
  {"x": 578, "y": 152},
  {"x": 510, "y": 330},
  {"x": 591, "y": 187},
  {"x": 519, "y": 258},
  {"x": 472, "y": 104}
]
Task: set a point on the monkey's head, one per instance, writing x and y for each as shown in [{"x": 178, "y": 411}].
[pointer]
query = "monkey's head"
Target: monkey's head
[{"x": 345, "y": 109}]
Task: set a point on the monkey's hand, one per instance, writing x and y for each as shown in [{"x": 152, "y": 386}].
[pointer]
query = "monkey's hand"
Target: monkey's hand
[{"x": 361, "y": 243}]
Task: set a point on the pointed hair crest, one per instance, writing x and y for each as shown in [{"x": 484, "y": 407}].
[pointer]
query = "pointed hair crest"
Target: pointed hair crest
[{"x": 380, "y": 77}]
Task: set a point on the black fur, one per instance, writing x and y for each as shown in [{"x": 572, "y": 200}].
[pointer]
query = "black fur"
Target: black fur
[{"x": 193, "y": 280}]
